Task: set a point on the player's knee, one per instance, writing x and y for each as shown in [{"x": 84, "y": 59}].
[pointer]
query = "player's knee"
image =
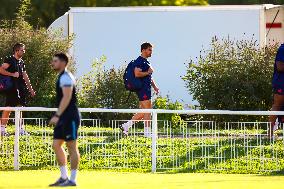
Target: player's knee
[
  {"x": 141, "y": 116},
  {"x": 72, "y": 148},
  {"x": 148, "y": 116},
  {"x": 56, "y": 146},
  {"x": 74, "y": 152},
  {"x": 6, "y": 114},
  {"x": 78, "y": 155}
]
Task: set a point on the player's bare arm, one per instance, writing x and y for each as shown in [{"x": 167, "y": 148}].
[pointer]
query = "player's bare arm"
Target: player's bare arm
[
  {"x": 3, "y": 71},
  {"x": 139, "y": 73},
  {"x": 27, "y": 80},
  {"x": 67, "y": 95},
  {"x": 155, "y": 87}
]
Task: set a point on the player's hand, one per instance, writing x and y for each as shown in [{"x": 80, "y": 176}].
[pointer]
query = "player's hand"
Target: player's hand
[
  {"x": 33, "y": 93},
  {"x": 16, "y": 74},
  {"x": 54, "y": 120},
  {"x": 157, "y": 90},
  {"x": 150, "y": 70}
]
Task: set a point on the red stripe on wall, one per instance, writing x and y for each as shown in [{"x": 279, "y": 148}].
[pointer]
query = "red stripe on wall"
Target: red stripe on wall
[{"x": 273, "y": 25}]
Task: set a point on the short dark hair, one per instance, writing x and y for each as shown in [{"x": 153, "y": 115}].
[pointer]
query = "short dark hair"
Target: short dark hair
[
  {"x": 17, "y": 46},
  {"x": 62, "y": 56},
  {"x": 146, "y": 45}
]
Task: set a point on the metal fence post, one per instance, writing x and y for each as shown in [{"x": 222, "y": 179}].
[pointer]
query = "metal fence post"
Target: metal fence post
[
  {"x": 154, "y": 140},
  {"x": 16, "y": 141}
]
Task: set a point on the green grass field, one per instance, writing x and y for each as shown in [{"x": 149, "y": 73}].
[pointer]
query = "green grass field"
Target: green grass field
[{"x": 119, "y": 180}]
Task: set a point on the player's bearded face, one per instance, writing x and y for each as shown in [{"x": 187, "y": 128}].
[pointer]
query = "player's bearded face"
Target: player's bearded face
[
  {"x": 55, "y": 63},
  {"x": 149, "y": 51},
  {"x": 21, "y": 52}
]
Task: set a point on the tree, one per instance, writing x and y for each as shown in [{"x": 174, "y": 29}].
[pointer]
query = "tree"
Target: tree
[
  {"x": 232, "y": 75},
  {"x": 8, "y": 9}
]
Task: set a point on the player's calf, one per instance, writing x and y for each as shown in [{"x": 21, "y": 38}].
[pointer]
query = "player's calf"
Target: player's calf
[{"x": 74, "y": 159}]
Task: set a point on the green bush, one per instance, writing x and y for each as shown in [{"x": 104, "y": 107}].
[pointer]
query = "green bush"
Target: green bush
[
  {"x": 232, "y": 75},
  {"x": 40, "y": 47},
  {"x": 167, "y": 104},
  {"x": 104, "y": 88}
]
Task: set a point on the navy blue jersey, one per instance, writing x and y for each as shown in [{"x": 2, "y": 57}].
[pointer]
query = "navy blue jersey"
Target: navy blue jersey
[
  {"x": 278, "y": 77},
  {"x": 66, "y": 79},
  {"x": 144, "y": 65},
  {"x": 16, "y": 66}
]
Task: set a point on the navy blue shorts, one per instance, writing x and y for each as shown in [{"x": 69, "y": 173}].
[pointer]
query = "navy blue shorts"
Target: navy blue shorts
[
  {"x": 67, "y": 128},
  {"x": 15, "y": 98},
  {"x": 144, "y": 94}
]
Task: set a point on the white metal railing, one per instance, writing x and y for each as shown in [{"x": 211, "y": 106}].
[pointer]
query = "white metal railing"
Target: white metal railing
[
  {"x": 158, "y": 111},
  {"x": 154, "y": 112}
]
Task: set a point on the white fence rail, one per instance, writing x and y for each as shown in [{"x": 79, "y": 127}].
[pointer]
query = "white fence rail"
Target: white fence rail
[{"x": 196, "y": 143}]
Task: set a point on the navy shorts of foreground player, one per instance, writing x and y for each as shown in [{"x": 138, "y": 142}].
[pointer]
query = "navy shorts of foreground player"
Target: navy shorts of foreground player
[
  {"x": 145, "y": 92},
  {"x": 278, "y": 77},
  {"x": 67, "y": 127}
]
